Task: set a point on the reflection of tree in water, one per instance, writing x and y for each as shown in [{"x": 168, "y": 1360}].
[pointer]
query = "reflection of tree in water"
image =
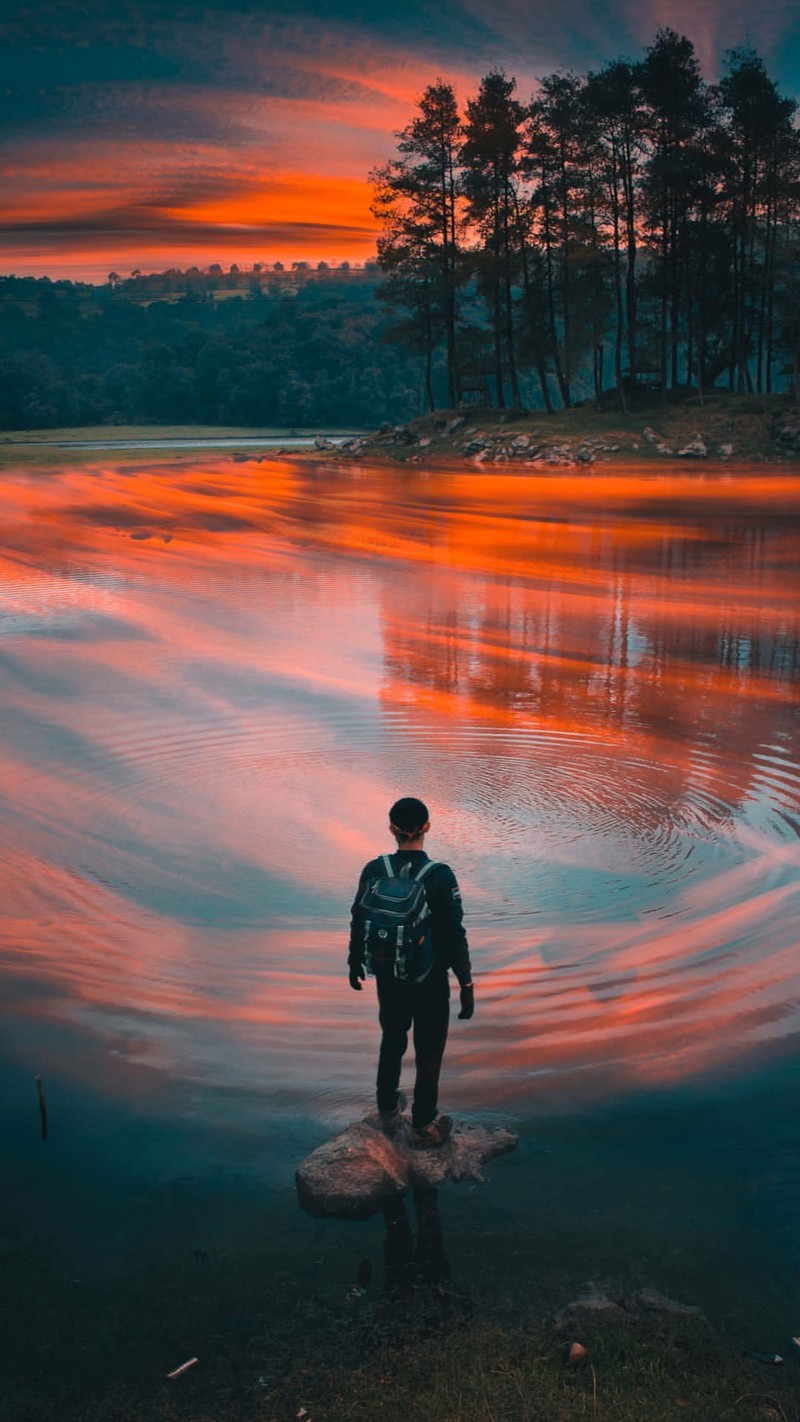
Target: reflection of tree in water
[{"x": 685, "y": 632}]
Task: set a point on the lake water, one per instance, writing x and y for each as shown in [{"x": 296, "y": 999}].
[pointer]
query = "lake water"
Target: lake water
[{"x": 216, "y": 676}]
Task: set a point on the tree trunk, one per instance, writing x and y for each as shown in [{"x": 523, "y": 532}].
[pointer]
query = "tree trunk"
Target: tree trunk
[
  {"x": 528, "y": 295},
  {"x": 619, "y": 333},
  {"x": 563, "y": 388},
  {"x": 735, "y": 306},
  {"x": 701, "y": 304},
  {"x": 516, "y": 398},
  {"x": 630, "y": 276},
  {"x": 675, "y": 293},
  {"x": 771, "y": 299},
  {"x": 662, "y": 341},
  {"x": 429, "y": 360},
  {"x": 566, "y": 314},
  {"x": 545, "y": 389}
]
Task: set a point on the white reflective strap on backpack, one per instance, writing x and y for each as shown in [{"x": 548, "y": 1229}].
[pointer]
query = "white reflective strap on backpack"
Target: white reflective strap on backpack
[{"x": 386, "y": 860}]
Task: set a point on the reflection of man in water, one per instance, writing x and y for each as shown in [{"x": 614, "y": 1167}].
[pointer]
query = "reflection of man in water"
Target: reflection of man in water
[
  {"x": 411, "y": 1266},
  {"x": 424, "y": 1004}
]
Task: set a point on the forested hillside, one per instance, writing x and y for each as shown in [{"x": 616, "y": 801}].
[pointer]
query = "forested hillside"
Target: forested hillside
[{"x": 191, "y": 347}]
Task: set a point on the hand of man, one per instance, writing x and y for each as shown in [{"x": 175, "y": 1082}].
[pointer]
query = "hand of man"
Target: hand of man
[
  {"x": 357, "y": 976},
  {"x": 467, "y": 1003}
]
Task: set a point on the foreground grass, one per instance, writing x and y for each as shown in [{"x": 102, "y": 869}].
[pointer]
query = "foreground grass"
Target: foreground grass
[
  {"x": 269, "y": 1345},
  {"x": 486, "y": 1373}
]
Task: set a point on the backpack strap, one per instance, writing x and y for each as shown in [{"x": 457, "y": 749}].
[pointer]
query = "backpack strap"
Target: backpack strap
[
  {"x": 424, "y": 869},
  {"x": 388, "y": 866}
]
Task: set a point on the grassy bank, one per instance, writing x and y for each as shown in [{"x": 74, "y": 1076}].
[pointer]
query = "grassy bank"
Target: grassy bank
[
  {"x": 54, "y": 446},
  {"x": 486, "y": 1374},
  {"x": 269, "y": 1345}
]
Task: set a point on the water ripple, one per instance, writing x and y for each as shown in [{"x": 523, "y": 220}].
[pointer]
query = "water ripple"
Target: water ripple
[{"x": 200, "y": 742}]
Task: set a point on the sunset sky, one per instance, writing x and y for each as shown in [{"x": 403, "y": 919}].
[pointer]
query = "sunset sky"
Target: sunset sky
[{"x": 159, "y": 134}]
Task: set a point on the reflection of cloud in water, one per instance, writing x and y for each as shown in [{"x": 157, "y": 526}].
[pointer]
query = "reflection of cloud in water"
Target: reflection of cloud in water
[{"x": 201, "y": 740}]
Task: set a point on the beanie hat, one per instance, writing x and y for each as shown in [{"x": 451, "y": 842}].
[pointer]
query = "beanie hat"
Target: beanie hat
[{"x": 409, "y": 816}]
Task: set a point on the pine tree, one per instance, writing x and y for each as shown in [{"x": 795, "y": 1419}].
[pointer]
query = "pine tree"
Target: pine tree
[
  {"x": 562, "y": 164},
  {"x": 676, "y": 103},
  {"x": 614, "y": 96},
  {"x": 416, "y": 202},
  {"x": 490, "y": 159},
  {"x": 760, "y": 124}
]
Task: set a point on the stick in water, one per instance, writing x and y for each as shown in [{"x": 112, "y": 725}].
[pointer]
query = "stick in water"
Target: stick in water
[
  {"x": 42, "y": 1107},
  {"x": 176, "y": 1372}
]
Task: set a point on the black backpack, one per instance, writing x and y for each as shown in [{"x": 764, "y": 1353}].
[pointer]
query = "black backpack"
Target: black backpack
[{"x": 396, "y": 922}]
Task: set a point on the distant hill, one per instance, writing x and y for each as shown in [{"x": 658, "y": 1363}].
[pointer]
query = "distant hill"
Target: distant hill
[{"x": 306, "y": 346}]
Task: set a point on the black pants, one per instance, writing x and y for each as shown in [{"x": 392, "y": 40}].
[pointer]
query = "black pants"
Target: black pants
[{"x": 426, "y": 1005}]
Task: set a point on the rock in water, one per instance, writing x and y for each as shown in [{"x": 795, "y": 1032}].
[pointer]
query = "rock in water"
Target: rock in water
[
  {"x": 354, "y": 1174},
  {"x": 351, "y": 1175}
]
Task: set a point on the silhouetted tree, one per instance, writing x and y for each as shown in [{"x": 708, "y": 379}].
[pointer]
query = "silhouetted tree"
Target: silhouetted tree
[
  {"x": 490, "y": 157},
  {"x": 614, "y": 96},
  {"x": 676, "y": 106},
  {"x": 764, "y": 153},
  {"x": 416, "y": 201}
]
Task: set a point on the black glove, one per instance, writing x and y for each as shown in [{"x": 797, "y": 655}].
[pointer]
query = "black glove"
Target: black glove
[
  {"x": 357, "y": 976},
  {"x": 467, "y": 1003}
]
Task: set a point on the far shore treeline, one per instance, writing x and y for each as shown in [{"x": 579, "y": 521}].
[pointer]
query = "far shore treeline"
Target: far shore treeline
[
  {"x": 627, "y": 236},
  {"x": 281, "y": 348}
]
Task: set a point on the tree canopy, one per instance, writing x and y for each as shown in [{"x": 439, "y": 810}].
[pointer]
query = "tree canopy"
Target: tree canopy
[{"x": 636, "y": 210}]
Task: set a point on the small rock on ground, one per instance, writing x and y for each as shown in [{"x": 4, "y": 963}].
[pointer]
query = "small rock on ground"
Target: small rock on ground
[{"x": 596, "y": 1307}]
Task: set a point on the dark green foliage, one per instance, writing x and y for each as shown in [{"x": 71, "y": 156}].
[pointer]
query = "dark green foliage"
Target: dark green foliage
[
  {"x": 638, "y": 222},
  {"x": 293, "y": 353}
]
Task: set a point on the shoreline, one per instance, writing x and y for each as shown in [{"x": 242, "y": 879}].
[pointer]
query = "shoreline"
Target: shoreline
[
  {"x": 725, "y": 430},
  {"x": 92, "y": 441}
]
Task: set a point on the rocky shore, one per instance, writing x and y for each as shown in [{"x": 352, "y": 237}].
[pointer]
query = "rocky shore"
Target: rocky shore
[{"x": 724, "y": 429}]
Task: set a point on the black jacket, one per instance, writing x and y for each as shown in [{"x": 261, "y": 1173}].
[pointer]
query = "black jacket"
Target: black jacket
[{"x": 444, "y": 898}]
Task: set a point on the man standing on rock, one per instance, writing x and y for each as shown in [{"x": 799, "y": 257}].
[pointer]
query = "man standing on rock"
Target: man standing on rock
[{"x": 407, "y": 930}]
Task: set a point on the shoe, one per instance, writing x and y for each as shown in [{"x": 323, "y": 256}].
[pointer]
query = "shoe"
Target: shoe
[
  {"x": 391, "y": 1120},
  {"x": 434, "y": 1134}
]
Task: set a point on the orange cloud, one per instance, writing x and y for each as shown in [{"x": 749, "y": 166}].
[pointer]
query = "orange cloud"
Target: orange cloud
[{"x": 272, "y": 169}]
